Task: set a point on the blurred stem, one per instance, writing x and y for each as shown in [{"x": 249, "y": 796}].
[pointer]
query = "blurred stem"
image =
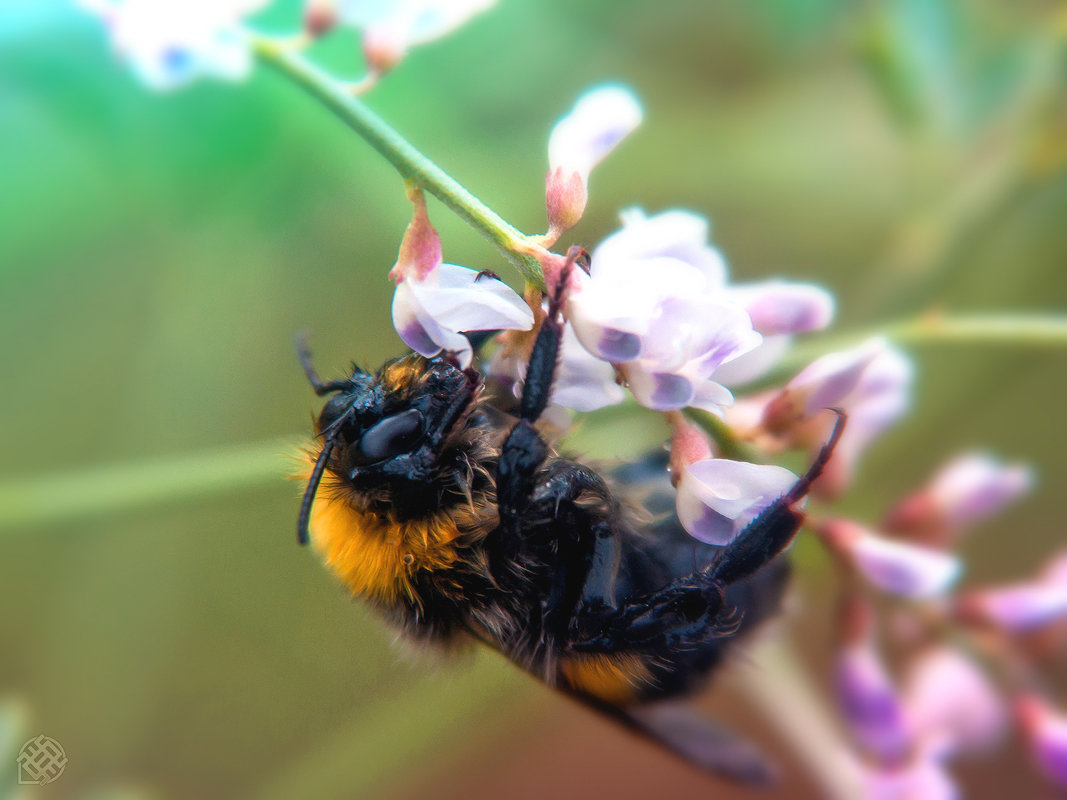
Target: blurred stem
[
  {"x": 726, "y": 441},
  {"x": 409, "y": 162},
  {"x": 1027, "y": 330},
  {"x": 776, "y": 685},
  {"x": 108, "y": 489}
]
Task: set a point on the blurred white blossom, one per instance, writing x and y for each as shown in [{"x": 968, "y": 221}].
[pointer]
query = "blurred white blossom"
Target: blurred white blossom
[{"x": 169, "y": 43}]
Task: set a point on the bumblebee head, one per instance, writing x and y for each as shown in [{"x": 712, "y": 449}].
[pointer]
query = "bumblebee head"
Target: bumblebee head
[{"x": 384, "y": 434}]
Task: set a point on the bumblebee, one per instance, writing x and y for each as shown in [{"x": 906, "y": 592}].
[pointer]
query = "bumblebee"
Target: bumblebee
[{"x": 453, "y": 517}]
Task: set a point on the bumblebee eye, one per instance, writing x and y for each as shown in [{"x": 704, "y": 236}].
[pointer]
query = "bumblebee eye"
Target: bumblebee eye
[{"x": 392, "y": 435}]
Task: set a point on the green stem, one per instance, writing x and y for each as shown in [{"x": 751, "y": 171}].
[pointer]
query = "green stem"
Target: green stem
[
  {"x": 1031, "y": 330},
  {"x": 408, "y": 161},
  {"x": 107, "y": 489},
  {"x": 727, "y": 443}
]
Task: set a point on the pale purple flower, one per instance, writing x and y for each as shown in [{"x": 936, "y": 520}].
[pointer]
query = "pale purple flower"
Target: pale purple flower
[
  {"x": 976, "y": 485},
  {"x": 778, "y": 310},
  {"x": 582, "y": 383},
  {"x": 1046, "y": 729},
  {"x": 430, "y": 312},
  {"x": 870, "y": 704},
  {"x": 169, "y": 43},
  {"x": 601, "y": 118},
  {"x": 899, "y": 568},
  {"x": 952, "y": 705},
  {"x": 717, "y": 498},
  {"x": 654, "y": 302},
  {"x": 1020, "y": 607},
  {"x": 924, "y": 778},
  {"x": 391, "y": 27},
  {"x": 871, "y": 383}
]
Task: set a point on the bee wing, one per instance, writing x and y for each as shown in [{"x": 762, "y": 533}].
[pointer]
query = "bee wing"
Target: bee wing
[{"x": 699, "y": 740}]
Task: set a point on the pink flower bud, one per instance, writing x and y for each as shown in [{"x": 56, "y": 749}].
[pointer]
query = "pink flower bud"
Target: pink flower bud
[
  {"x": 717, "y": 498},
  {"x": 689, "y": 444},
  {"x": 391, "y": 28},
  {"x": 1046, "y": 730},
  {"x": 320, "y": 16},
  {"x": 565, "y": 198},
  {"x": 420, "y": 249},
  {"x": 899, "y": 568}
]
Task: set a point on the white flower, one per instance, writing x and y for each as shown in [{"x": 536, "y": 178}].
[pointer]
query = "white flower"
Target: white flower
[
  {"x": 976, "y": 485},
  {"x": 430, "y": 312},
  {"x": 169, "y": 43},
  {"x": 778, "y": 309},
  {"x": 717, "y": 498},
  {"x": 391, "y": 27},
  {"x": 654, "y": 301},
  {"x": 601, "y": 118}
]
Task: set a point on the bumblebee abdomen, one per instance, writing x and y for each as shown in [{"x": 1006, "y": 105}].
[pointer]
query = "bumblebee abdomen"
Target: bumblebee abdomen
[{"x": 618, "y": 679}]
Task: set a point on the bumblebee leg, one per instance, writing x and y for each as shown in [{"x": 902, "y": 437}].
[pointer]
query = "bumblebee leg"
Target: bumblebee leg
[
  {"x": 524, "y": 450},
  {"x": 683, "y": 615},
  {"x": 772, "y": 531}
]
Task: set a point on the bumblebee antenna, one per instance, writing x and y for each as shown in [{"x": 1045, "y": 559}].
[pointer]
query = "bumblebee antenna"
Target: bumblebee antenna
[
  {"x": 309, "y": 493},
  {"x": 320, "y": 386}
]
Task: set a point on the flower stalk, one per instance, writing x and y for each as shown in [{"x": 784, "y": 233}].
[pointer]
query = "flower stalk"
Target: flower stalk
[{"x": 520, "y": 249}]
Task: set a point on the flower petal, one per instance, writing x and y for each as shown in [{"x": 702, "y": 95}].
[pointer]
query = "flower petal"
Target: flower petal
[
  {"x": 169, "y": 43},
  {"x": 976, "y": 485},
  {"x": 660, "y": 391},
  {"x": 900, "y": 568},
  {"x": 923, "y": 779},
  {"x": 870, "y": 704},
  {"x": 679, "y": 235},
  {"x": 457, "y": 299},
  {"x": 717, "y": 498},
  {"x": 784, "y": 307},
  {"x": 952, "y": 704},
  {"x": 421, "y": 332},
  {"x": 1021, "y": 607},
  {"x": 583, "y": 382},
  {"x": 601, "y": 118},
  {"x": 1046, "y": 729}
]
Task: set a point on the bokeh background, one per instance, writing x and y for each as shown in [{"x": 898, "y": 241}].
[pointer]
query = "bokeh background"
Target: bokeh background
[{"x": 157, "y": 254}]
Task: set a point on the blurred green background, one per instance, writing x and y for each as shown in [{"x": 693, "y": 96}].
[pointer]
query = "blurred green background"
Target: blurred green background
[{"x": 157, "y": 254}]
